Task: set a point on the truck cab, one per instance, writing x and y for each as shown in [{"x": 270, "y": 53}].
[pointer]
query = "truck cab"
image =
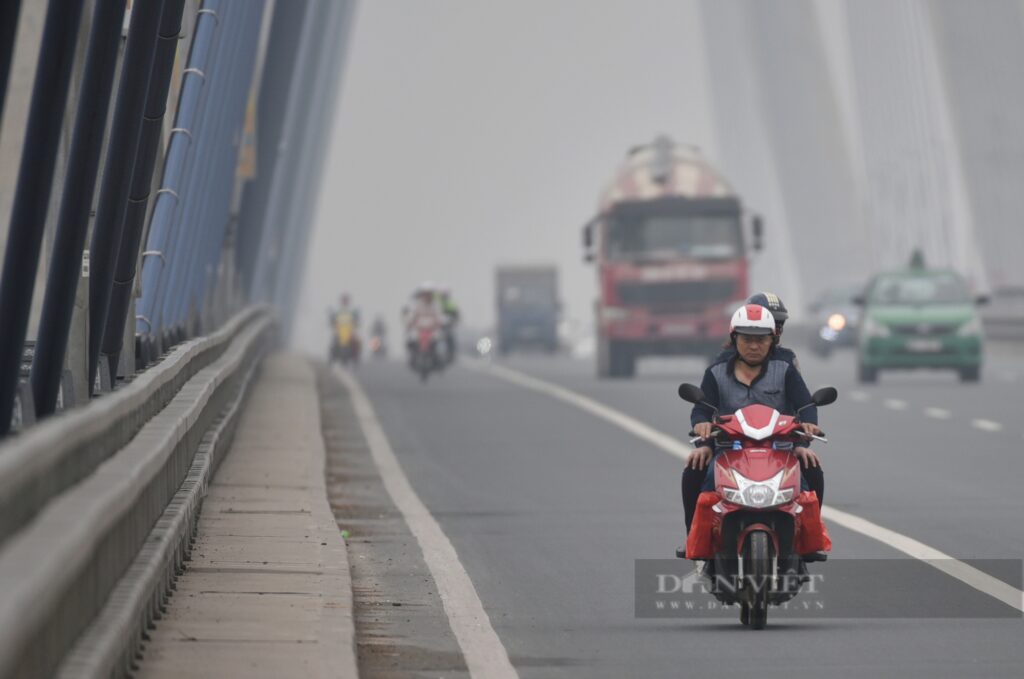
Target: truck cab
[{"x": 670, "y": 243}]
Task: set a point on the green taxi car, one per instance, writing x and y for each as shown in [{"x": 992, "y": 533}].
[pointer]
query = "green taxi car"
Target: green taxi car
[{"x": 919, "y": 319}]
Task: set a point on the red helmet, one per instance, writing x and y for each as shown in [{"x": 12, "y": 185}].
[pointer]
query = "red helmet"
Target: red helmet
[{"x": 752, "y": 319}]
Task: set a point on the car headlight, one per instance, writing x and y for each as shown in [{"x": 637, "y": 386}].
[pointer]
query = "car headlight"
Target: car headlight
[
  {"x": 873, "y": 328},
  {"x": 757, "y": 494},
  {"x": 971, "y": 327},
  {"x": 837, "y": 322}
]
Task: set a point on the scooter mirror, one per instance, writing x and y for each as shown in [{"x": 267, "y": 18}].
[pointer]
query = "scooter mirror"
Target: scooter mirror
[
  {"x": 825, "y": 396},
  {"x": 690, "y": 393}
]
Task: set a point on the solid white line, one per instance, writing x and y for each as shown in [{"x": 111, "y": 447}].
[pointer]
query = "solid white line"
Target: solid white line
[
  {"x": 485, "y": 655},
  {"x": 937, "y": 413},
  {"x": 986, "y": 425},
  {"x": 979, "y": 580},
  {"x": 895, "y": 404}
]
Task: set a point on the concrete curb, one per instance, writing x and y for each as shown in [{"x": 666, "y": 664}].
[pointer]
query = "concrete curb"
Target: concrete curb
[{"x": 337, "y": 614}]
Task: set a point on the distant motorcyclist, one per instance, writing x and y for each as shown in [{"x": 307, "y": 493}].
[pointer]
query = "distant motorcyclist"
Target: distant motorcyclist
[
  {"x": 344, "y": 324},
  {"x": 450, "y": 313},
  {"x": 752, "y": 372},
  {"x": 424, "y": 314},
  {"x": 379, "y": 337}
]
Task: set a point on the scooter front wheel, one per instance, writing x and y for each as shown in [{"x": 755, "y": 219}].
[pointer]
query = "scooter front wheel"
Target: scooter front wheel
[{"x": 759, "y": 557}]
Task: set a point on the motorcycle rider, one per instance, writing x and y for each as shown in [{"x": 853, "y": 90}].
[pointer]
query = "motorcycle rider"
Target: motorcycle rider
[
  {"x": 692, "y": 478},
  {"x": 450, "y": 311},
  {"x": 752, "y": 373},
  {"x": 379, "y": 335},
  {"x": 423, "y": 314},
  {"x": 345, "y": 312}
]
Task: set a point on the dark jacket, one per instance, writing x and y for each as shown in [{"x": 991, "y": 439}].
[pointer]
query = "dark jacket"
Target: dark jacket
[
  {"x": 784, "y": 353},
  {"x": 779, "y": 386}
]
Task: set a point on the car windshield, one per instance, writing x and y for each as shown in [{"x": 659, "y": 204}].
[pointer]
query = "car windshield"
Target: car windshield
[
  {"x": 947, "y": 288},
  {"x": 674, "y": 236}
]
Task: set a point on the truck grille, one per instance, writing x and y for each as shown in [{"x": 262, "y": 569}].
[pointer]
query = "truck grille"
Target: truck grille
[{"x": 676, "y": 296}]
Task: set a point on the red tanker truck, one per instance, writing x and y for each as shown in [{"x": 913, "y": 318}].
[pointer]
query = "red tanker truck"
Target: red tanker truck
[{"x": 671, "y": 246}]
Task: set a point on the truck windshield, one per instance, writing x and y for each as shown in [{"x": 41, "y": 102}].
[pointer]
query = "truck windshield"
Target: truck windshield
[
  {"x": 674, "y": 236},
  {"x": 527, "y": 296}
]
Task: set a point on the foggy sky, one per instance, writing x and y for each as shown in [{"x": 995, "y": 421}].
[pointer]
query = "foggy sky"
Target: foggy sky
[{"x": 470, "y": 134}]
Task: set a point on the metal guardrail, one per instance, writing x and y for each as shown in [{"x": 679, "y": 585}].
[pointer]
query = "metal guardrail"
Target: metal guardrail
[
  {"x": 118, "y": 522},
  {"x": 49, "y": 458}
]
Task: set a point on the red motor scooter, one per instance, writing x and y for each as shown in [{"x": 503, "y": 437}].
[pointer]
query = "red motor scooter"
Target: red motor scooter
[
  {"x": 425, "y": 357},
  {"x": 756, "y": 529}
]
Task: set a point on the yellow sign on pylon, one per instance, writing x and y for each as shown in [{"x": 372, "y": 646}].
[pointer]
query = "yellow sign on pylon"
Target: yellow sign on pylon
[{"x": 247, "y": 149}]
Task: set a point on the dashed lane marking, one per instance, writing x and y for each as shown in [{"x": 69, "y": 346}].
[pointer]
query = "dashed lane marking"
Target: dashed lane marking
[
  {"x": 937, "y": 413},
  {"x": 860, "y": 396},
  {"x": 986, "y": 425},
  {"x": 895, "y": 404},
  {"x": 979, "y": 580}
]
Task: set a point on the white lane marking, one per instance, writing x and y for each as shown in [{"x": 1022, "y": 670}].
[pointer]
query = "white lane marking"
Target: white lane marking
[
  {"x": 979, "y": 580},
  {"x": 986, "y": 425},
  {"x": 860, "y": 396},
  {"x": 937, "y": 413},
  {"x": 895, "y": 404},
  {"x": 485, "y": 655}
]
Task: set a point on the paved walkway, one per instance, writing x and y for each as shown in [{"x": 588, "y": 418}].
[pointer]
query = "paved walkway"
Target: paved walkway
[{"x": 267, "y": 592}]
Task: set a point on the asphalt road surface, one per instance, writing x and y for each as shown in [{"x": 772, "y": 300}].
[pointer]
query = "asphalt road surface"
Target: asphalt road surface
[{"x": 549, "y": 508}]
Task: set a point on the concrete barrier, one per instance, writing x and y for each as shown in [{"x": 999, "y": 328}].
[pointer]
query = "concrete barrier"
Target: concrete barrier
[
  {"x": 47, "y": 459},
  {"x": 59, "y": 571}
]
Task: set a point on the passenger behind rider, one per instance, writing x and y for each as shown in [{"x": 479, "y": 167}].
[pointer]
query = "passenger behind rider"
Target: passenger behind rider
[
  {"x": 754, "y": 372},
  {"x": 450, "y": 310}
]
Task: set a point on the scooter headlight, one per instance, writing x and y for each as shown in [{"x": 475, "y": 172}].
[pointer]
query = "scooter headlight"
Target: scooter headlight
[{"x": 757, "y": 494}]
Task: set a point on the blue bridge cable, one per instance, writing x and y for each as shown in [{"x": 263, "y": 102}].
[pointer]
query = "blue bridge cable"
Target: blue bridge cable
[
  {"x": 191, "y": 216},
  {"x": 76, "y": 202},
  {"x": 165, "y": 237},
  {"x": 126, "y": 129},
  {"x": 331, "y": 68},
  {"x": 219, "y": 206},
  {"x": 309, "y": 141},
  {"x": 278, "y": 70},
  {"x": 9, "y": 10},
  {"x": 32, "y": 195},
  {"x": 138, "y": 197},
  {"x": 213, "y": 210},
  {"x": 268, "y": 253}
]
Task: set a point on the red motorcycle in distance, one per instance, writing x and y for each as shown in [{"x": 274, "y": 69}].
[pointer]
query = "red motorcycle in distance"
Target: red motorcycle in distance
[
  {"x": 756, "y": 529},
  {"x": 425, "y": 357}
]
